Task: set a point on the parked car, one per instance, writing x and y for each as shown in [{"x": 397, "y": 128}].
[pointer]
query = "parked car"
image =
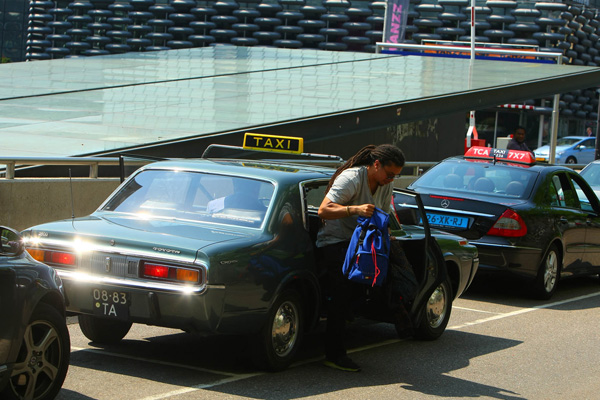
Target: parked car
[
  {"x": 569, "y": 150},
  {"x": 34, "y": 339},
  {"x": 225, "y": 246},
  {"x": 536, "y": 221},
  {"x": 591, "y": 173}
]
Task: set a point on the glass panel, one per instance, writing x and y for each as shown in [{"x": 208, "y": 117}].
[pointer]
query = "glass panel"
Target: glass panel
[
  {"x": 194, "y": 196},
  {"x": 480, "y": 178}
]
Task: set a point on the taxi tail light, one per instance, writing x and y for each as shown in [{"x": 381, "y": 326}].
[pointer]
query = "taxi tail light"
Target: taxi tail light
[
  {"x": 171, "y": 273},
  {"x": 59, "y": 258},
  {"x": 510, "y": 224}
]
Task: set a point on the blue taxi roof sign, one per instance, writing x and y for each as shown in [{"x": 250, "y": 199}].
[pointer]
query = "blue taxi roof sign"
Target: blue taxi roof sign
[
  {"x": 274, "y": 143},
  {"x": 489, "y": 153}
]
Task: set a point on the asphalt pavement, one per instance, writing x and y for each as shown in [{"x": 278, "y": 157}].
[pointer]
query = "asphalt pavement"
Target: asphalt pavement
[{"x": 500, "y": 344}]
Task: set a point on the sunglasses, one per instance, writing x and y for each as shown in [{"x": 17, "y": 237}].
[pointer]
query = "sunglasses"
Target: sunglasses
[{"x": 390, "y": 175}]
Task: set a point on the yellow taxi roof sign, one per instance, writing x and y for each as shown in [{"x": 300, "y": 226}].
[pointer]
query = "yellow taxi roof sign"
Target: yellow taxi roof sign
[{"x": 274, "y": 143}]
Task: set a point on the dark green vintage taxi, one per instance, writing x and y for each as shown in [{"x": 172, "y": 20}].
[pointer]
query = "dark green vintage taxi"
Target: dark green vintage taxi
[{"x": 225, "y": 246}]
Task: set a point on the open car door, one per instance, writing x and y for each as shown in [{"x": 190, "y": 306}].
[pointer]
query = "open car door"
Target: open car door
[{"x": 430, "y": 310}]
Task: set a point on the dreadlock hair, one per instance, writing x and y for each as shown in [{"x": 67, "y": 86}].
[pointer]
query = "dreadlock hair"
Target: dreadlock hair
[{"x": 386, "y": 154}]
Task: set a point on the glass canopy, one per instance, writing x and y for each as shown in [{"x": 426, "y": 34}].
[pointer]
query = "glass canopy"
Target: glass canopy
[{"x": 98, "y": 105}]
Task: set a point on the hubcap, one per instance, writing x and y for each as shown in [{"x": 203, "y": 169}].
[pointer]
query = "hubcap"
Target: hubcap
[
  {"x": 436, "y": 307},
  {"x": 38, "y": 363},
  {"x": 551, "y": 271},
  {"x": 285, "y": 329}
]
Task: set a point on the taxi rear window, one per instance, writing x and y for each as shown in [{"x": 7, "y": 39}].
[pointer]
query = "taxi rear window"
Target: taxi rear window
[
  {"x": 223, "y": 199},
  {"x": 479, "y": 178}
]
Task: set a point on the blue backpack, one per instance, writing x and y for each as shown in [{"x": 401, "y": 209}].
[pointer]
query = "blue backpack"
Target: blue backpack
[{"x": 367, "y": 257}]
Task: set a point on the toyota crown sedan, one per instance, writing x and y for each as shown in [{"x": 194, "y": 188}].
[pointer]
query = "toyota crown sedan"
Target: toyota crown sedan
[
  {"x": 539, "y": 222},
  {"x": 227, "y": 246}
]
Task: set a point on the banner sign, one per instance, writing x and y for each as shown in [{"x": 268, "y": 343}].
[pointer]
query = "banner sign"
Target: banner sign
[{"x": 396, "y": 15}]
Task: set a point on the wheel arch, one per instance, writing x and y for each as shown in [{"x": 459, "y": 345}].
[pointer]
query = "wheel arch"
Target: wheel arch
[
  {"x": 310, "y": 293},
  {"x": 561, "y": 251},
  {"x": 54, "y": 300},
  {"x": 454, "y": 275}
]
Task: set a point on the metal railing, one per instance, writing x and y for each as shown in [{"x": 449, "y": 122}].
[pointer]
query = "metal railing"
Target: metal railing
[
  {"x": 483, "y": 50},
  {"x": 12, "y": 163},
  {"x": 417, "y": 168}
]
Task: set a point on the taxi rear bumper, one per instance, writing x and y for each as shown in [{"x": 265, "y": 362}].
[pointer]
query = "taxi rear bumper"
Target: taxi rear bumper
[{"x": 190, "y": 308}]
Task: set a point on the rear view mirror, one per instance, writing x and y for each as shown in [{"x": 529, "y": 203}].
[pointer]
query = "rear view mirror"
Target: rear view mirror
[{"x": 11, "y": 242}]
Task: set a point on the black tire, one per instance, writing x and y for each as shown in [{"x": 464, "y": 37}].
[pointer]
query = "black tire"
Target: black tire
[
  {"x": 43, "y": 360},
  {"x": 546, "y": 281},
  {"x": 571, "y": 160},
  {"x": 436, "y": 313},
  {"x": 278, "y": 341},
  {"x": 102, "y": 330}
]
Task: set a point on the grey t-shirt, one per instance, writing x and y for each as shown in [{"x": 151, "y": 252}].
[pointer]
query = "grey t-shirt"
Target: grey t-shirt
[{"x": 351, "y": 188}]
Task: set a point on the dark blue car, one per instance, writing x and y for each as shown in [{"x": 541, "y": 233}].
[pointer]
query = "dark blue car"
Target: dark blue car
[{"x": 34, "y": 339}]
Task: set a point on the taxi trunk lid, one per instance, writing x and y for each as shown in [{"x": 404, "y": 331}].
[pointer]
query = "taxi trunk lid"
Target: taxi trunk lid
[{"x": 127, "y": 235}]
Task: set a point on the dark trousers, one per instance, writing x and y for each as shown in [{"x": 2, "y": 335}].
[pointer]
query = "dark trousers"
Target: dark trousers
[{"x": 343, "y": 296}]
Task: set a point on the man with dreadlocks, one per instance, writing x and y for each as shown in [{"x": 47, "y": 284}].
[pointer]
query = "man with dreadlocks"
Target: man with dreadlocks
[{"x": 357, "y": 187}]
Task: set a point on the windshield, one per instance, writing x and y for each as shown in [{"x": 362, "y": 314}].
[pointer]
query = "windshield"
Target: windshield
[
  {"x": 591, "y": 174},
  {"x": 480, "y": 178},
  {"x": 194, "y": 196}
]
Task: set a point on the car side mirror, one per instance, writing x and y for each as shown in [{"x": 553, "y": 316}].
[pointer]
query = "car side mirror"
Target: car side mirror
[{"x": 11, "y": 242}]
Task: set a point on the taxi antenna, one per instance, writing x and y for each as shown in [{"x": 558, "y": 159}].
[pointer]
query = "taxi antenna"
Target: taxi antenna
[{"x": 71, "y": 187}]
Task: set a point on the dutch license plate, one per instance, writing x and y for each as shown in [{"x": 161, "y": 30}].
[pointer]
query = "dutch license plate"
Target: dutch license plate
[
  {"x": 110, "y": 303},
  {"x": 447, "y": 220}
]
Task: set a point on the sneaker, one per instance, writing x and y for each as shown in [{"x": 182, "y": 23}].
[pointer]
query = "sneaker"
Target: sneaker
[{"x": 343, "y": 363}]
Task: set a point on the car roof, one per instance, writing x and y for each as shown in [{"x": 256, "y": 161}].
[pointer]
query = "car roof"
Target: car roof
[
  {"x": 274, "y": 170},
  {"x": 577, "y": 137}
]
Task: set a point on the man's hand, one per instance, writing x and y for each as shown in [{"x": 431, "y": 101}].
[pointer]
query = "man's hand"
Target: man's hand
[{"x": 365, "y": 210}]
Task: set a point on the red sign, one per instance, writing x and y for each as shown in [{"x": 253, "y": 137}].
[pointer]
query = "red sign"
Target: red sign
[{"x": 489, "y": 153}]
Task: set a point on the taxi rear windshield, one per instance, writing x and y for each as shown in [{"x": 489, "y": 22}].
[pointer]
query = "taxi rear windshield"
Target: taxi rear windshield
[
  {"x": 194, "y": 196},
  {"x": 479, "y": 178}
]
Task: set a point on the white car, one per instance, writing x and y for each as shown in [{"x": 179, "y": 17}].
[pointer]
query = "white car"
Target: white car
[{"x": 591, "y": 173}]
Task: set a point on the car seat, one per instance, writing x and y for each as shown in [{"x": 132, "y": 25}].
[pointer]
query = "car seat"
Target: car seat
[
  {"x": 514, "y": 188},
  {"x": 483, "y": 185},
  {"x": 453, "y": 181}
]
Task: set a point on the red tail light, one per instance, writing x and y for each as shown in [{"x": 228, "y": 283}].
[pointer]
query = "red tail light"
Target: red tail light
[
  {"x": 169, "y": 272},
  {"x": 510, "y": 224},
  {"x": 59, "y": 258},
  {"x": 156, "y": 271}
]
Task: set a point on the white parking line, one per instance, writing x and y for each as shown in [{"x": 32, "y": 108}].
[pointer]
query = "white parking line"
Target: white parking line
[
  {"x": 523, "y": 311},
  {"x": 239, "y": 377},
  {"x": 202, "y": 386},
  {"x": 152, "y": 361},
  {"x": 475, "y": 310}
]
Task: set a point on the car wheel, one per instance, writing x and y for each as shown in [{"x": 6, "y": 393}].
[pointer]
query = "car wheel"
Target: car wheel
[
  {"x": 43, "y": 359},
  {"x": 547, "y": 278},
  {"x": 102, "y": 330},
  {"x": 436, "y": 313},
  {"x": 571, "y": 160},
  {"x": 279, "y": 339}
]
